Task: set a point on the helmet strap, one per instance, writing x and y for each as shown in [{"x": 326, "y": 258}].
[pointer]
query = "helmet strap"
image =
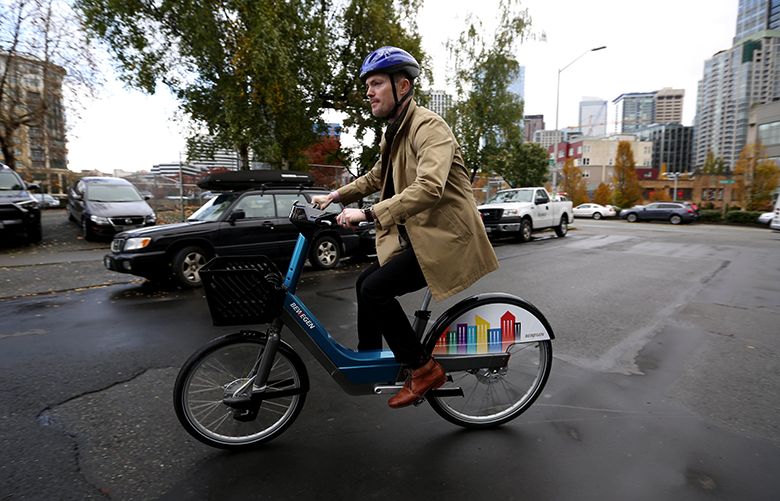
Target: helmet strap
[{"x": 398, "y": 102}]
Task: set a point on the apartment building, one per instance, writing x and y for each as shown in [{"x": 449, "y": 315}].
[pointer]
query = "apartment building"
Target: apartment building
[
  {"x": 596, "y": 156},
  {"x": 669, "y": 106}
]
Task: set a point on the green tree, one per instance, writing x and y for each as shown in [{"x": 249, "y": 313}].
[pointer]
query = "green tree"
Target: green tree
[
  {"x": 249, "y": 73},
  {"x": 486, "y": 116},
  {"x": 521, "y": 164},
  {"x": 602, "y": 195},
  {"x": 714, "y": 166},
  {"x": 627, "y": 191},
  {"x": 572, "y": 183},
  {"x": 362, "y": 26}
]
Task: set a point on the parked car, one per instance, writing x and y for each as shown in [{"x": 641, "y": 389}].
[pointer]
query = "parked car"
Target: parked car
[
  {"x": 775, "y": 222},
  {"x": 20, "y": 213},
  {"x": 248, "y": 216},
  {"x": 104, "y": 206},
  {"x": 765, "y": 218},
  {"x": 46, "y": 201},
  {"x": 673, "y": 212},
  {"x": 595, "y": 211}
]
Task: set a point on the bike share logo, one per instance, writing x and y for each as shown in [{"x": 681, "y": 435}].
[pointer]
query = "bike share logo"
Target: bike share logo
[{"x": 305, "y": 319}]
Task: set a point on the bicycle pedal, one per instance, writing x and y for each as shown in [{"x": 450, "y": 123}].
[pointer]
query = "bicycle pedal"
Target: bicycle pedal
[{"x": 418, "y": 402}]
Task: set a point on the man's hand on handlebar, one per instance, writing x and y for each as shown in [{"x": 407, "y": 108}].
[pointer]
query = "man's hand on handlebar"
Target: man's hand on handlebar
[
  {"x": 322, "y": 201},
  {"x": 350, "y": 217}
]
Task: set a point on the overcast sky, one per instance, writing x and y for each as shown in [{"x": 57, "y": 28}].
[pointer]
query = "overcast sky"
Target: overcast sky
[{"x": 650, "y": 45}]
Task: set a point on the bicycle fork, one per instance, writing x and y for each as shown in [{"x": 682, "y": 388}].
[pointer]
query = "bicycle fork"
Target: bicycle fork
[{"x": 257, "y": 380}]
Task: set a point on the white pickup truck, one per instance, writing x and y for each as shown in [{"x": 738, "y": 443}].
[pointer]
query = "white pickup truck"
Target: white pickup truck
[{"x": 521, "y": 211}]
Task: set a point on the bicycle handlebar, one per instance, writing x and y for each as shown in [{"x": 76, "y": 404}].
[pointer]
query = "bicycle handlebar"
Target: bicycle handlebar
[{"x": 305, "y": 213}]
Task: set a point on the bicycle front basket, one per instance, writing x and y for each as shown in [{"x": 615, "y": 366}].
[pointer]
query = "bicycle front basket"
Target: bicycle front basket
[{"x": 242, "y": 289}]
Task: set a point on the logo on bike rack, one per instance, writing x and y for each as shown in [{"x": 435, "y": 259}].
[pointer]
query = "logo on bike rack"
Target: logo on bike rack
[{"x": 304, "y": 318}]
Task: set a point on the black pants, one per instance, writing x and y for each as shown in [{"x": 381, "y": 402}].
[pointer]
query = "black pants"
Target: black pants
[{"x": 380, "y": 313}]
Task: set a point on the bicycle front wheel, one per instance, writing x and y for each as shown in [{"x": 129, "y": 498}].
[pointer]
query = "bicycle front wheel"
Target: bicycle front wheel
[
  {"x": 493, "y": 396},
  {"x": 220, "y": 368}
]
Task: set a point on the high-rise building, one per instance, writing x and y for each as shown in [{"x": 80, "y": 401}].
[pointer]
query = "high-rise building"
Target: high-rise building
[
  {"x": 669, "y": 106},
  {"x": 517, "y": 86},
  {"x": 734, "y": 81},
  {"x": 634, "y": 111},
  {"x": 672, "y": 146},
  {"x": 593, "y": 117},
  {"x": 754, "y": 16},
  {"x": 531, "y": 124},
  {"x": 440, "y": 102}
]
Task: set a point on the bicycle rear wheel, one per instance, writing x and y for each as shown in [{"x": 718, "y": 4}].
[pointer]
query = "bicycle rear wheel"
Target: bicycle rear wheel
[
  {"x": 494, "y": 396},
  {"x": 216, "y": 371}
]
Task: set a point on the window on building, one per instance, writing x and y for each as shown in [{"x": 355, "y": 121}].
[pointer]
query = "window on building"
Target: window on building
[{"x": 769, "y": 133}]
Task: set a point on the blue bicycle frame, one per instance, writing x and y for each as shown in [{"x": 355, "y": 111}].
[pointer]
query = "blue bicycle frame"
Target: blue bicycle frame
[{"x": 352, "y": 369}]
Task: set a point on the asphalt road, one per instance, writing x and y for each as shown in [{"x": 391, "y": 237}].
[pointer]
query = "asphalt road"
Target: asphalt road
[{"x": 664, "y": 384}]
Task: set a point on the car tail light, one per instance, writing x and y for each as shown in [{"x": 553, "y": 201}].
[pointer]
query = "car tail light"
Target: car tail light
[{"x": 690, "y": 211}]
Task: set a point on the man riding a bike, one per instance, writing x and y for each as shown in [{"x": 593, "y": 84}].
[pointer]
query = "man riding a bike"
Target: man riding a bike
[{"x": 428, "y": 229}]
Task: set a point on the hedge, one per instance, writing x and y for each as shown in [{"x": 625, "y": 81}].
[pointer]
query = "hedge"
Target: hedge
[
  {"x": 732, "y": 216},
  {"x": 742, "y": 217}
]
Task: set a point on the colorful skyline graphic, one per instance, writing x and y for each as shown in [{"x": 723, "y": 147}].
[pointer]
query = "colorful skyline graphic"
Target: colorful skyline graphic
[{"x": 480, "y": 337}]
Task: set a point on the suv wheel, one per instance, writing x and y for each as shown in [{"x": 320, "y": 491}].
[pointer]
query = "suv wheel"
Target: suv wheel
[
  {"x": 35, "y": 234},
  {"x": 187, "y": 264},
  {"x": 86, "y": 231},
  {"x": 325, "y": 253}
]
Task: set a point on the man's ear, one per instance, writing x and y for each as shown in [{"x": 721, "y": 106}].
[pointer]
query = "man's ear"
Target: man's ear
[{"x": 403, "y": 84}]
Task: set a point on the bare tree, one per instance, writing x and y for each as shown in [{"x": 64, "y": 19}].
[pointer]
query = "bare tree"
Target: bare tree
[{"x": 46, "y": 65}]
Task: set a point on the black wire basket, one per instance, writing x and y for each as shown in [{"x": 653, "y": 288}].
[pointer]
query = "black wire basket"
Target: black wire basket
[{"x": 242, "y": 290}]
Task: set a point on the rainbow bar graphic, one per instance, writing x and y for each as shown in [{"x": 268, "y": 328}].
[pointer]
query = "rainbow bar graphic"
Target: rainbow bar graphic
[{"x": 480, "y": 337}]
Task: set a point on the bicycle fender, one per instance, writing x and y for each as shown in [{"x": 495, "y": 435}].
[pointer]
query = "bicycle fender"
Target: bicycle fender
[{"x": 493, "y": 318}]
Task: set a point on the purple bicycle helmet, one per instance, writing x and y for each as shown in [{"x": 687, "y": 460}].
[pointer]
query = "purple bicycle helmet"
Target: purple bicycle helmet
[{"x": 389, "y": 60}]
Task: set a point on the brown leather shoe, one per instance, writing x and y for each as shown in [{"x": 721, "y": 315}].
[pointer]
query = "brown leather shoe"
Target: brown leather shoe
[{"x": 423, "y": 379}]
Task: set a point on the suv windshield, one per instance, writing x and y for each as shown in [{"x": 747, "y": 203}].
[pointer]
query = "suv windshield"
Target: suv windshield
[
  {"x": 214, "y": 208},
  {"x": 10, "y": 181},
  {"x": 112, "y": 193},
  {"x": 512, "y": 196}
]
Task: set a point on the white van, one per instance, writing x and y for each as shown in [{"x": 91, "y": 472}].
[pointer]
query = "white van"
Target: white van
[{"x": 775, "y": 223}]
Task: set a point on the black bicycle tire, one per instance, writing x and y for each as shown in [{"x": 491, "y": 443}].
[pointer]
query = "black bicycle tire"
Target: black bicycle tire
[
  {"x": 192, "y": 362},
  {"x": 439, "y": 404}
]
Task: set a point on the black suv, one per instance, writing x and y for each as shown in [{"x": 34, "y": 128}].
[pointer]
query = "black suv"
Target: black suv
[
  {"x": 19, "y": 211},
  {"x": 248, "y": 216}
]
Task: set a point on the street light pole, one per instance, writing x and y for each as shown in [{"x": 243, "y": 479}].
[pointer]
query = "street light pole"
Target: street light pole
[{"x": 557, "y": 103}]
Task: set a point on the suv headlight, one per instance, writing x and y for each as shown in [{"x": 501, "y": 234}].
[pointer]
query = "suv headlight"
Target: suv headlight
[
  {"x": 151, "y": 218},
  {"x": 30, "y": 204},
  {"x": 99, "y": 219},
  {"x": 137, "y": 243}
]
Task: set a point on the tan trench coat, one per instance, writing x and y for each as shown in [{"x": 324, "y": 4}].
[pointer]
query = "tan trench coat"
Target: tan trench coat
[{"x": 433, "y": 199}]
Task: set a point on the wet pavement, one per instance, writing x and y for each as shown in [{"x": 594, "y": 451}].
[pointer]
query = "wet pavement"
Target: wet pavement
[{"x": 664, "y": 386}]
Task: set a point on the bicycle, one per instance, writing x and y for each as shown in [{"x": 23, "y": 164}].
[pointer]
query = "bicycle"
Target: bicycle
[{"x": 243, "y": 389}]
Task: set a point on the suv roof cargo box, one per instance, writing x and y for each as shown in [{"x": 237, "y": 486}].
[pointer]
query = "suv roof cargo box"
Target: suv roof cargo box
[{"x": 248, "y": 179}]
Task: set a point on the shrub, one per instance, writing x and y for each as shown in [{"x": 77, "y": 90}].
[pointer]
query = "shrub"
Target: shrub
[
  {"x": 742, "y": 217},
  {"x": 710, "y": 216}
]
